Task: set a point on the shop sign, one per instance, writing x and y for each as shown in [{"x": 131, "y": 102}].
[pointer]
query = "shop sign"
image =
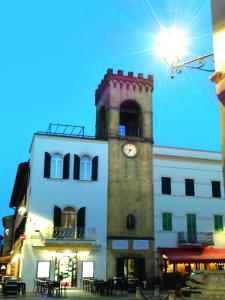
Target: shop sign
[
  {"x": 119, "y": 244},
  {"x": 140, "y": 244}
]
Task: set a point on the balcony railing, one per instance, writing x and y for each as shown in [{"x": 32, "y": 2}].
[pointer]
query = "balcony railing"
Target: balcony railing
[
  {"x": 200, "y": 238},
  {"x": 60, "y": 233}
]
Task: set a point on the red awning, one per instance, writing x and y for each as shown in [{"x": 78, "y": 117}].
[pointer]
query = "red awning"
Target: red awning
[{"x": 188, "y": 255}]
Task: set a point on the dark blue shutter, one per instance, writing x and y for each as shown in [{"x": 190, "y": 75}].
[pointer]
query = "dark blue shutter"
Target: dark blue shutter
[
  {"x": 81, "y": 217},
  {"x": 76, "y": 170},
  {"x": 166, "y": 185},
  {"x": 189, "y": 187},
  {"x": 81, "y": 222},
  {"x": 66, "y": 166},
  {"x": 47, "y": 165},
  {"x": 57, "y": 216},
  {"x": 94, "y": 168}
]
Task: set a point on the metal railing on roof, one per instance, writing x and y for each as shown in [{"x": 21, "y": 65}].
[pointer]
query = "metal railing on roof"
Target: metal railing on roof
[{"x": 64, "y": 130}]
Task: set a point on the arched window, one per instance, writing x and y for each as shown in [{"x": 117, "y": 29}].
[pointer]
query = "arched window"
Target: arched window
[
  {"x": 68, "y": 217},
  {"x": 56, "y": 165},
  {"x": 130, "y": 119},
  {"x": 69, "y": 223},
  {"x": 130, "y": 222},
  {"x": 85, "y": 167}
]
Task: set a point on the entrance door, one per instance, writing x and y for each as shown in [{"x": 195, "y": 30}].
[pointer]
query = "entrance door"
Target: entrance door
[
  {"x": 191, "y": 228},
  {"x": 66, "y": 270},
  {"x": 130, "y": 267}
]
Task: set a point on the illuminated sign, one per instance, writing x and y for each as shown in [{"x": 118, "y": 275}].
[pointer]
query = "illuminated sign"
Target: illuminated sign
[
  {"x": 87, "y": 269},
  {"x": 43, "y": 269}
]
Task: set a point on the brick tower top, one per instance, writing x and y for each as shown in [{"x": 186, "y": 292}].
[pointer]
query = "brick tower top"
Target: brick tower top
[{"x": 129, "y": 80}]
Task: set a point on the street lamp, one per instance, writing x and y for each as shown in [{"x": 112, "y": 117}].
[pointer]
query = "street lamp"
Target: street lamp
[{"x": 171, "y": 45}]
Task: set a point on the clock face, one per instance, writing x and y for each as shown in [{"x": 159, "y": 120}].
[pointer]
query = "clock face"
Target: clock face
[{"x": 130, "y": 150}]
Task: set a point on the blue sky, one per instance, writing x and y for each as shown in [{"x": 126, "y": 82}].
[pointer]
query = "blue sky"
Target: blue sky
[{"x": 53, "y": 54}]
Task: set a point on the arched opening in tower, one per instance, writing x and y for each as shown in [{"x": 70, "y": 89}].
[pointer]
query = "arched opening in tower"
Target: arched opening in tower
[{"x": 130, "y": 119}]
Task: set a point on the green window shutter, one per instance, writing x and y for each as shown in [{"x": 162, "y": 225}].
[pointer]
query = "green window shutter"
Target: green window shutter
[
  {"x": 191, "y": 228},
  {"x": 218, "y": 222},
  {"x": 167, "y": 222}
]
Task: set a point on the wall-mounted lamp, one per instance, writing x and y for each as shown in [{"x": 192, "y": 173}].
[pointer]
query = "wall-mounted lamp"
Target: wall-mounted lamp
[
  {"x": 22, "y": 210},
  {"x": 7, "y": 231},
  {"x": 171, "y": 46}
]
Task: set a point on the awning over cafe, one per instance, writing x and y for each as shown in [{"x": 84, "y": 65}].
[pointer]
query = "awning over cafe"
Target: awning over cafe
[{"x": 189, "y": 255}]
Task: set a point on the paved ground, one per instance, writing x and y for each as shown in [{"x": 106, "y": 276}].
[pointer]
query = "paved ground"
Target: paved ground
[{"x": 79, "y": 294}]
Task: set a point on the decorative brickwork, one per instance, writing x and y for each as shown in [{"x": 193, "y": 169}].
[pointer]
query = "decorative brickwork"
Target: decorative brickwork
[{"x": 136, "y": 83}]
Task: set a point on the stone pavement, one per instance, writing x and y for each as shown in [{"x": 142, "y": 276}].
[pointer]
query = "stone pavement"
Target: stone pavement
[
  {"x": 72, "y": 294},
  {"x": 80, "y": 294}
]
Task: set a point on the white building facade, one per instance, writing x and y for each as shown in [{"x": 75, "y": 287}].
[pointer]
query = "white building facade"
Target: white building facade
[{"x": 66, "y": 210}]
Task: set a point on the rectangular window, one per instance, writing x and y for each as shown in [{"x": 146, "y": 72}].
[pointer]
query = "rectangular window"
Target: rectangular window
[
  {"x": 87, "y": 269},
  {"x": 43, "y": 269},
  {"x": 189, "y": 187},
  {"x": 167, "y": 221},
  {"x": 216, "y": 192},
  {"x": 166, "y": 185},
  {"x": 218, "y": 222},
  {"x": 85, "y": 168}
]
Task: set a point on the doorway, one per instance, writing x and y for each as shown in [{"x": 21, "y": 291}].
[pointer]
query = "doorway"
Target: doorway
[
  {"x": 66, "y": 270},
  {"x": 130, "y": 267}
]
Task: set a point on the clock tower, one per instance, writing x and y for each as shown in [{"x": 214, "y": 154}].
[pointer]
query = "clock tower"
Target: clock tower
[{"x": 124, "y": 118}]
